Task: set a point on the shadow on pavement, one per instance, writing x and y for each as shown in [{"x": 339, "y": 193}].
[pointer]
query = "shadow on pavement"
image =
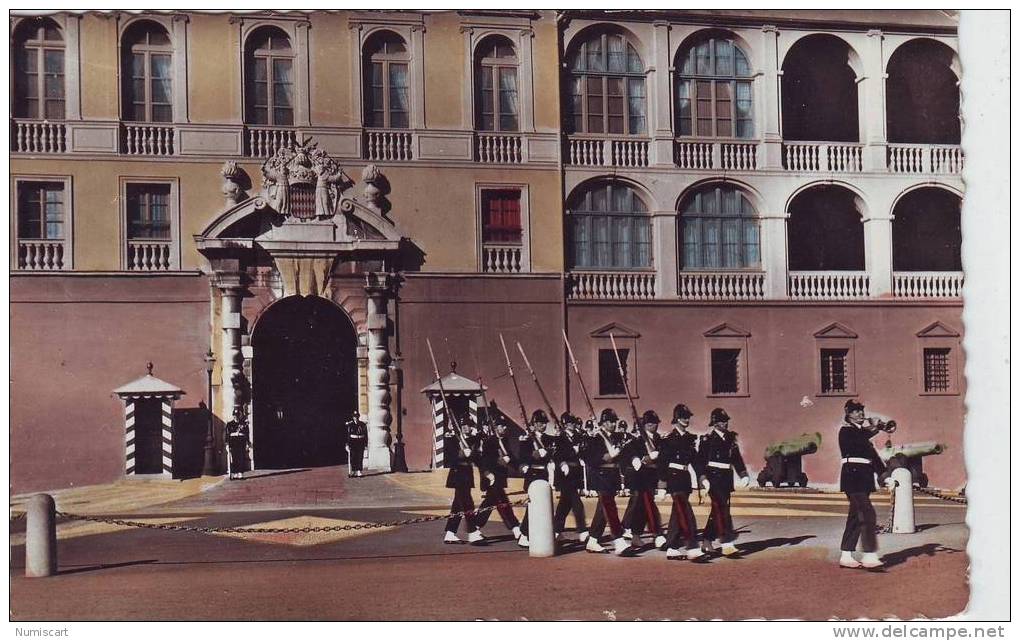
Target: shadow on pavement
[
  {"x": 753, "y": 547},
  {"x": 105, "y": 566},
  {"x": 252, "y": 476},
  {"x": 928, "y": 549}
]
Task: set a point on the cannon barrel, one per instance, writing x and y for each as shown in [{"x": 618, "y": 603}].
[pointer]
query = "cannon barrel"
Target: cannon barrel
[
  {"x": 796, "y": 446},
  {"x": 910, "y": 450}
]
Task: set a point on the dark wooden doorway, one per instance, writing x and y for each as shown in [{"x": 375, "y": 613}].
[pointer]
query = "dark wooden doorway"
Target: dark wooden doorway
[
  {"x": 304, "y": 383},
  {"x": 148, "y": 436}
]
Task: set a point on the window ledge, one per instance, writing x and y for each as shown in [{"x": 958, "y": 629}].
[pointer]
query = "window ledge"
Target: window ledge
[{"x": 734, "y": 395}]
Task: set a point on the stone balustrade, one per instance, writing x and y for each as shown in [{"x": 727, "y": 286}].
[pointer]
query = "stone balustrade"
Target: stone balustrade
[
  {"x": 498, "y": 148},
  {"x": 721, "y": 286},
  {"x": 607, "y": 152},
  {"x": 829, "y": 285},
  {"x": 41, "y": 255},
  {"x": 927, "y": 284},
  {"x": 599, "y": 285},
  {"x": 148, "y": 140},
  {"x": 829, "y": 157},
  {"x": 502, "y": 259},
  {"x": 924, "y": 159},
  {"x": 263, "y": 142},
  {"x": 38, "y": 137},
  {"x": 388, "y": 144},
  {"x": 149, "y": 255}
]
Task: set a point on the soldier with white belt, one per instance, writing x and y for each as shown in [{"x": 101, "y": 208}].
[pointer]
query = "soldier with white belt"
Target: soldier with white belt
[
  {"x": 859, "y": 462},
  {"x": 719, "y": 455}
]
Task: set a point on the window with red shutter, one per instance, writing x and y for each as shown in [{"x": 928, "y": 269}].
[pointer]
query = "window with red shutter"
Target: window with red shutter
[{"x": 501, "y": 216}]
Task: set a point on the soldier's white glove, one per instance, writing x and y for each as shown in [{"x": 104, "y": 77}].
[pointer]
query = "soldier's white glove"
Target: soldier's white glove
[
  {"x": 466, "y": 453},
  {"x": 491, "y": 477},
  {"x": 653, "y": 455},
  {"x": 745, "y": 481},
  {"x": 505, "y": 460},
  {"x": 614, "y": 452},
  {"x": 890, "y": 483},
  {"x": 636, "y": 463},
  {"x": 565, "y": 468},
  {"x": 542, "y": 452},
  {"x": 524, "y": 469},
  {"x": 705, "y": 485}
]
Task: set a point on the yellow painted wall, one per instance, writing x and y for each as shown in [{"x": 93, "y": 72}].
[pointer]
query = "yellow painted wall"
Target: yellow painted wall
[
  {"x": 444, "y": 71},
  {"x": 214, "y": 69},
  {"x": 329, "y": 43},
  {"x": 545, "y": 51},
  {"x": 99, "y": 68}
]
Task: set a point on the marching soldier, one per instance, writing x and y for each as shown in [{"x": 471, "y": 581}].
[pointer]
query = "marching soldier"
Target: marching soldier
[
  {"x": 458, "y": 452},
  {"x": 493, "y": 468},
  {"x": 569, "y": 476},
  {"x": 860, "y": 463},
  {"x": 601, "y": 454},
  {"x": 678, "y": 456},
  {"x": 357, "y": 438},
  {"x": 641, "y": 477},
  {"x": 719, "y": 455},
  {"x": 535, "y": 453}
]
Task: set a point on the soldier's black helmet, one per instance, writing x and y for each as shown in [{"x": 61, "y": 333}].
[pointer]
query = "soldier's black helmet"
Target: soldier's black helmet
[
  {"x": 608, "y": 415},
  {"x": 566, "y": 418},
  {"x": 681, "y": 411},
  {"x": 650, "y": 417},
  {"x": 719, "y": 415},
  {"x": 539, "y": 416},
  {"x": 853, "y": 405}
]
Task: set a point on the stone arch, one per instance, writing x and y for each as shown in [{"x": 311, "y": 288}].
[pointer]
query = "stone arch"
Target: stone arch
[
  {"x": 642, "y": 49},
  {"x": 819, "y": 90},
  {"x": 825, "y": 231},
  {"x": 926, "y": 230},
  {"x": 923, "y": 93}
]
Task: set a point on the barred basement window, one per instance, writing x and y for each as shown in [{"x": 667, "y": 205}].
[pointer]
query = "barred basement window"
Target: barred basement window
[
  {"x": 610, "y": 383},
  {"x": 725, "y": 371},
  {"x": 835, "y": 365},
  {"x": 936, "y": 369}
]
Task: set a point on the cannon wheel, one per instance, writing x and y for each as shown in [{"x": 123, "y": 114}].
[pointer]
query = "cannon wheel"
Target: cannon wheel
[
  {"x": 762, "y": 479},
  {"x": 923, "y": 481},
  {"x": 802, "y": 480}
]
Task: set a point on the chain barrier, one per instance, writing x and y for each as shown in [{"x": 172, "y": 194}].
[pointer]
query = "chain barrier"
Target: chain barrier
[
  {"x": 888, "y": 527},
  {"x": 283, "y": 530},
  {"x": 945, "y": 497}
]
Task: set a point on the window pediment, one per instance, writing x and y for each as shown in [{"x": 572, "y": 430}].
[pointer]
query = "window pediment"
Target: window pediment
[
  {"x": 836, "y": 330},
  {"x": 938, "y": 329},
  {"x": 616, "y": 330},
  {"x": 726, "y": 330}
]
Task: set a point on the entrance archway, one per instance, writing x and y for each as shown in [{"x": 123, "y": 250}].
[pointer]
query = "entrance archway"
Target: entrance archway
[{"x": 304, "y": 383}]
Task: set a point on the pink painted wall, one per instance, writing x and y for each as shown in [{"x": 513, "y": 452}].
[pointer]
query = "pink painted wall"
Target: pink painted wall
[{"x": 74, "y": 340}]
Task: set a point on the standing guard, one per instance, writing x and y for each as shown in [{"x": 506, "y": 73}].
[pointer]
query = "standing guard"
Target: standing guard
[
  {"x": 678, "y": 456},
  {"x": 357, "y": 439},
  {"x": 569, "y": 476},
  {"x": 601, "y": 454},
  {"x": 237, "y": 443},
  {"x": 535, "y": 454},
  {"x": 641, "y": 474},
  {"x": 860, "y": 463},
  {"x": 458, "y": 453},
  {"x": 720, "y": 456},
  {"x": 493, "y": 468}
]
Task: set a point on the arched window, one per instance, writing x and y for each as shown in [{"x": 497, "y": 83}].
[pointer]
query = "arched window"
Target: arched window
[
  {"x": 496, "y": 101},
  {"x": 719, "y": 230},
  {"x": 714, "y": 89},
  {"x": 387, "y": 100},
  {"x": 39, "y": 70},
  {"x": 926, "y": 231},
  {"x": 147, "y": 72},
  {"x": 610, "y": 228},
  {"x": 607, "y": 86},
  {"x": 269, "y": 78},
  {"x": 819, "y": 90},
  {"x": 923, "y": 94}
]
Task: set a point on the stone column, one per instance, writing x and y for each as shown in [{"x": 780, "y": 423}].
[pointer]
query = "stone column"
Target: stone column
[
  {"x": 660, "y": 120},
  {"x": 878, "y": 253},
  {"x": 770, "y": 102},
  {"x": 231, "y": 288},
  {"x": 664, "y": 253},
  {"x": 774, "y": 255},
  {"x": 379, "y": 418},
  {"x": 872, "y": 103}
]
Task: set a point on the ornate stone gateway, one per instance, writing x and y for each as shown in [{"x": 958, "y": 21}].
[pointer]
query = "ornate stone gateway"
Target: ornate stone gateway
[{"x": 305, "y": 233}]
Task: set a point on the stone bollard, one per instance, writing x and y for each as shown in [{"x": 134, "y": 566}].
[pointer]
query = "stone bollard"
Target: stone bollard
[
  {"x": 903, "y": 510},
  {"x": 541, "y": 541},
  {"x": 41, "y": 537}
]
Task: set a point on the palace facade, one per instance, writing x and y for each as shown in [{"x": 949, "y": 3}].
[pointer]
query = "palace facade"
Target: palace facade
[{"x": 762, "y": 208}]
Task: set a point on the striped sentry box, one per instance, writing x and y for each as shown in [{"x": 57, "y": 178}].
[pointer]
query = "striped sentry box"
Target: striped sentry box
[
  {"x": 166, "y": 415},
  {"x": 438, "y": 421},
  {"x": 129, "y": 436}
]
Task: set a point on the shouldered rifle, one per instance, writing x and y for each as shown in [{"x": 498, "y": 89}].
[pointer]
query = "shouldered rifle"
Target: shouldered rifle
[
  {"x": 442, "y": 393},
  {"x": 534, "y": 377},
  {"x": 513, "y": 379},
  {"x": 623, "y": 377},
  {"x": 577, "y": 372}
]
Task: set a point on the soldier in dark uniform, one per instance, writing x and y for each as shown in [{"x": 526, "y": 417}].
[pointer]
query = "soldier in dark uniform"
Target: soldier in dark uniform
[
  {"x": 641, "y": 476},
  {"x": 458, "y": 453},
  {"x": 860, "y": 463},
  {"x": 568, "y": 476},
  {"x": 678, "y": 455},
  {"x": 719, "y": 455},
  {"x": 494, "y": 465},
  {"x": 357, "y": 438},
  {"x": 601, "y": 455},
  {"x": 237, "y": 443},
  {"x": 535, "y": 453}
]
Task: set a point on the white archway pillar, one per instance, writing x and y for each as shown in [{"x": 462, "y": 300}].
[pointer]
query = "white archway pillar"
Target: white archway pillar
[
  {"x": 774, "y": 254},
  {"x": 378, "y": 288},
  {"x": 231, "y": 288},
  {"x": 872, "y": 105},
  {"x": 770, "y": 103},
  {"x": 878, "y": 254}
]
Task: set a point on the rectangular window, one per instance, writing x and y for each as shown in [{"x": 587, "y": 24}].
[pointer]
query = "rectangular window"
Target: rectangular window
[
  {"x": 610, "y": 382},
  {"x": 148, "y": 212},
  {"x": 501, "y": 216},
  {"x": 937, "y": 370},
  {"x": 835, "y": 370},
  {"x": 725, "y": 371},
  {"x": 40, "y": 211}
]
